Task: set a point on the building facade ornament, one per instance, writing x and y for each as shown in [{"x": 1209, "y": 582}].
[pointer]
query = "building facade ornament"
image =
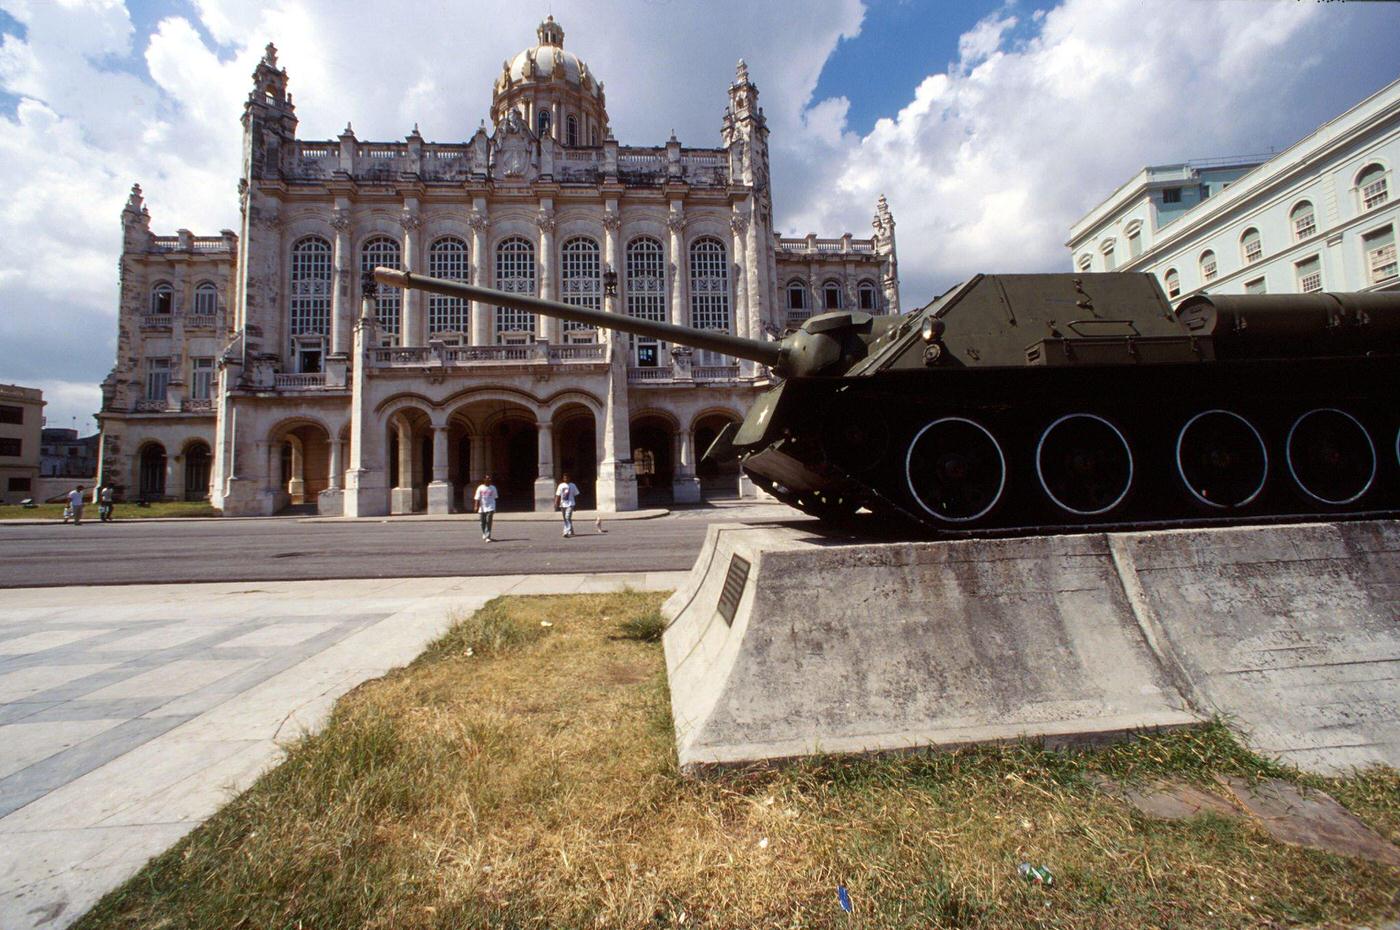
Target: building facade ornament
[{"x": 544, "y": 219}]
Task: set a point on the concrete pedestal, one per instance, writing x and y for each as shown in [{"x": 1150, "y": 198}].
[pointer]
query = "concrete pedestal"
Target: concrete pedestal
[
  {"x": 365, "y": 494},
  {"x": 439, "y": 497},
  {"x": 401, "y": 500},
  {"x": 685, "y": 490},
  {"x": 245, "y": 497},
  {"x": 544, "y": 493},
  {"x": 616, "y": 488},
  {"x": 782, "y": 643},
  {"x": 330, "y": 503}
]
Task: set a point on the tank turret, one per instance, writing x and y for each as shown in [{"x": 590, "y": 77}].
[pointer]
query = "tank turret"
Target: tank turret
[{"x": 1040, "y": 403}]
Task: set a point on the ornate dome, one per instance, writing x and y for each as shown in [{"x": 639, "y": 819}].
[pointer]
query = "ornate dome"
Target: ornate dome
[
  {"x": 548, "y": 61},
  {"x": 553, "y": 91}
]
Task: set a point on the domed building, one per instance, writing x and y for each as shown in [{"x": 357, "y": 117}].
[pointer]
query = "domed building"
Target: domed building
[{"x": 246, "y": 372}]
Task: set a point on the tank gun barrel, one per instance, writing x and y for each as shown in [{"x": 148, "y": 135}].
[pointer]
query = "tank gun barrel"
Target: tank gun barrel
[{"x": 767, "y": 353}]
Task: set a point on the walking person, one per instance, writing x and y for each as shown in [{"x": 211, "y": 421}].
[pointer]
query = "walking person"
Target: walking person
[
  {"x": 486, "y": 506},
  {"x": 565, "y": 498},
  {"x": 104, "y": 504},
  {"x": 75, "y": 504}
]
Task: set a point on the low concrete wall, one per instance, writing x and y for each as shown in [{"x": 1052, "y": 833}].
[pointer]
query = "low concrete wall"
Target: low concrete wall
[
  {"x": 845, "y": 648},
  {"x": 46, "y": 488}
]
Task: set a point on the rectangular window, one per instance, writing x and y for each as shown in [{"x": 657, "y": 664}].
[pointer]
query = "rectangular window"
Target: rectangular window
[
  {"x": 10, "y": 445},
  {"x": 1254, "y": 287},
  {"x": 202, "y": 380},
  {"x": 1208, "y": 269},
  {"x": 1171, "y": 195},
  {"x": 11, "y": 414},
  {"x": 1304, "y": 225},
  {"x": 1205, "y": 191},
  {"x": 1309, "y": 273},
  {"x": 1253, "y": 251},
  {"x": 1374, "y": 194},
  {"x": 20, "y": 485},
  {"x": 1380, "y": 255},
  {"x": 157, "y": 378}
]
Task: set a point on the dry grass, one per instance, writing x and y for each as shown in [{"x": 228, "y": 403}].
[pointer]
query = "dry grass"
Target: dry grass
[
  {"x": 522, "y": 775},
  {"x": 123, "y": 511}
]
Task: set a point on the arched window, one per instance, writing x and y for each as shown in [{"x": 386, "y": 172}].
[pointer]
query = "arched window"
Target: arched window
[
  {"x": 309, "y": 299},
  {"x": 869, "y": 296},
  {"x": 593, "y": 135},
  {"x": 197, "y": 460},
  {"x": 151, "y": 480},
  {"x": 1250, "y": 246},
  {"x": 1304, "y": 220},
  {"x": 1173, "y": 282},
  {"x": 206, "y": 299},
  {"x": 542, "y": 123},
  {"x": 1107, "y": 249},
  {"x": 1086, "y": 261},
  {"x": 581, "y": 277},
  {"x": 1208, "y": 268},
  {"x": 447, "y": 258},
  {"x": 381, "y": 250},
  {"x": 709, "y": 285},
  {"x": 571, "y": 130},
  {"x": 831, "y": 295},
  {"x": 1373, "y": 185},
  {"x": 796, "y": 297},
  {"x": 1134, "y": 234},
  {"x": 646, "y": 280},
  {"x": 515, "y": 274},
  {"x": 163, "y": 298}
]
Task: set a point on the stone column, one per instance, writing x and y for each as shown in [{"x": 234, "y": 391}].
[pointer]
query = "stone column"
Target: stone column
[
  {"x": 402, "y": 497},
  {"x": 331, "y": 501},
  {"x": 616, "y": 487},
  {"x": 365, "y": 479},
  {"x": 411, "y": 325},
  {"x": 546, "y": 327},
  {"x": 685, "y": 487},
  {"x": 440, "y": 490},
  {"x": 755, "y": 271},
  {"x": 175, "y": 477},
  {"x": 680, "y": 313},
  {"x": 741, "y": 319},
  {"x": 480, "y": 463},
  {"x": 296, "y": 487},
  {"x": 480, "y": 313},
  {"x": 342, "y": 264},
  {"x": 545, "y": 483}
]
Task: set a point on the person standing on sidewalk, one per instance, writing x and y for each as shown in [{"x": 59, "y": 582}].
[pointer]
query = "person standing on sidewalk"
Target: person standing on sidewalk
[
  {"x": 565, "y": 497},
  {"x": 75, "y": 504},
  {"x": 104, "y": 504},
  {"x": 486, "y": 506}
]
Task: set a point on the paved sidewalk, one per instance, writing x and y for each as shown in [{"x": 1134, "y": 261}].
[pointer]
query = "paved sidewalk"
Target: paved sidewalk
[{"x": 129, "y": 715}]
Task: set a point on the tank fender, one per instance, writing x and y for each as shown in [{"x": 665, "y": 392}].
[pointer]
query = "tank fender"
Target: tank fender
[{"x": 757, "y": 427}]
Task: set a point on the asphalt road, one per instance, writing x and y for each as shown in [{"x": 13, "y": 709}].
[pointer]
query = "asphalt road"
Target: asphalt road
[{"x": 288, "y": 548}]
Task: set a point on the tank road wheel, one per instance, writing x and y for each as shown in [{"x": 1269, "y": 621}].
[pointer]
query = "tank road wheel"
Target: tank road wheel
[
  {"x": 1330, "y": 456},
  {"x": 955, "y": 469},
  {"x": 1222, "y": 460},
  {"x": 1084, "y": 464}
]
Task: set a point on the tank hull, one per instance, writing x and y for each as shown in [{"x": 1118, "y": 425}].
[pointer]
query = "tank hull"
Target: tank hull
[{"x": 1227, "y": 441}]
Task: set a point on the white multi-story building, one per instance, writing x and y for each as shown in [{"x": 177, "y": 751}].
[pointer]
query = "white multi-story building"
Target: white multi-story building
[
  {"x": 405, "y": 408},
  {"x": 21, "y": 423},
  {"x": 1321, "y": 215}
]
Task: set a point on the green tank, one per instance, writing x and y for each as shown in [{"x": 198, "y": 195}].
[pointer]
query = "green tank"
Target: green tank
[{"x": 1039, "y": 402}]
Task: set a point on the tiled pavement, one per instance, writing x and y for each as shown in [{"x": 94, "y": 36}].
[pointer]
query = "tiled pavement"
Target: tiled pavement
[{"x": 130, "y": 714}]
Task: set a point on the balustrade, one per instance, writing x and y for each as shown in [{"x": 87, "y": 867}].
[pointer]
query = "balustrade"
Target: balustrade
[
  {"x": 715, "y": 372},
  {"x": 299, "y": 381}
]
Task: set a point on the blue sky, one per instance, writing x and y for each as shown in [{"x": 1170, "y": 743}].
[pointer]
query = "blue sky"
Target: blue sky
[{"x": 990, "y": 127}]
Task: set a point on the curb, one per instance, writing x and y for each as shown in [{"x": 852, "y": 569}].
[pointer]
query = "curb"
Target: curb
[{"x": 523, "y": 516}]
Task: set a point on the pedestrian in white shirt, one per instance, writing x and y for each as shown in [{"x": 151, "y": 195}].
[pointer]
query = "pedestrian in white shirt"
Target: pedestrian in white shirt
[
  {"x": 75, "y": 504},
  {"x": 486, "y": 505},
  {"x": 565, "y": 498}
]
